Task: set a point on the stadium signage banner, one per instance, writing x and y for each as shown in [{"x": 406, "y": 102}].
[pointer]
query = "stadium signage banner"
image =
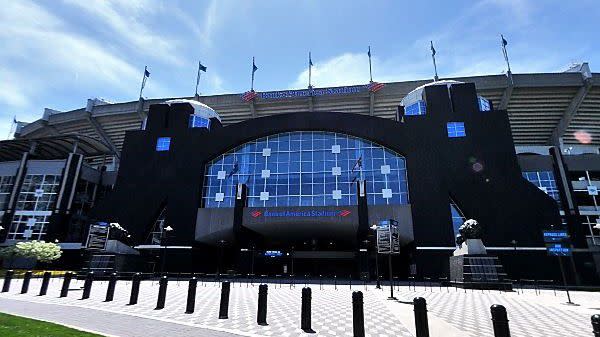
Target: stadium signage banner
[
  {"x": 308, "y": 215},
  {"x": 304, "y": 213},
  {"x": 373, "y": 87},
  {"x": 313, "y": 92}
]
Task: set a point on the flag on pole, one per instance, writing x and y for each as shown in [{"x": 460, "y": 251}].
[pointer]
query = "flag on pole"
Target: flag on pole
[
  {"x": 200, "y": 68},
  {"x": 254, "y": 69},
  {"x": 435, "y": 77},
  {"x": 357, "y": 166},
  {"x": 504, "y": 51},
  {"x": 146, "y": 75},
  {"x": 310, "y": 64},
  {"x": 370, "y": 68}
]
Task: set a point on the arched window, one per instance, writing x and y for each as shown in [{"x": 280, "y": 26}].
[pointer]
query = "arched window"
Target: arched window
[{"x": 306, "y": 168}]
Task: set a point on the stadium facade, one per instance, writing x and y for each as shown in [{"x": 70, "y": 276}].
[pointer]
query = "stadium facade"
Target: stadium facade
[{"x": 291, "y": 182}]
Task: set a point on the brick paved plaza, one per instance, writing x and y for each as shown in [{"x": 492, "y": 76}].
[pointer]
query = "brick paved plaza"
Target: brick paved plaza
[{"x": 452, "y": 312}]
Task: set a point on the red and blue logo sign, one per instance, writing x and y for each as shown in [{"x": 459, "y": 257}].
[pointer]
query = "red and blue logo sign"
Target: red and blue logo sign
[{"x": 311, "y": 213}]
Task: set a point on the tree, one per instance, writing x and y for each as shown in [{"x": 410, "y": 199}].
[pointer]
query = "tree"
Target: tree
[{"x": 39, "y": 250}]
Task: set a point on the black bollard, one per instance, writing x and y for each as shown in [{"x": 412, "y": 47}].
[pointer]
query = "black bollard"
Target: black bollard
[
  {"x": 162, "y": 292},
  {"x": 87, "y": 285},
  {"x": 596, "y": 325},
  {"x": 135, "y": 289},
  {"x": 191, "y": 297},
  {"x": 224, "y": 305},
  {"x": 305, "y": 314},
  {"x": 421, "y": 323},
  {"x": 26, "y": 280},
  {"x": 7, "y": 279},
  {"x": 64, "y": 291},
  {"x": 45, "y": 282},
  {"x": 261, "y": 316},
  {"x": 500, "y": 321},
  {"x": 358, "y": 315},
  {"x": 112, "y": 284}
]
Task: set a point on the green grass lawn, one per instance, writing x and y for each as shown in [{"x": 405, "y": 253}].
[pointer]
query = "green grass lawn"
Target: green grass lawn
[{"x": 15, "y": 326}]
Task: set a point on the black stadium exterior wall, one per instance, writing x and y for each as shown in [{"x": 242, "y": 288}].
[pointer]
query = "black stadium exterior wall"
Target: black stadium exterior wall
[{"x": 438, "y": 168}]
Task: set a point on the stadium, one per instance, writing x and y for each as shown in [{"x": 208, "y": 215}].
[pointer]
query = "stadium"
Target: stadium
[{"x": 291, "y": 182}]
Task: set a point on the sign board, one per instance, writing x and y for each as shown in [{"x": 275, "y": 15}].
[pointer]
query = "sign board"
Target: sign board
[
  {"x": 273, "y": 253},
  {"x": 98, "y": 236},
  {"x": 554, "y": 236},
  {"x": 592, "y": 190},
  {"x": 559, "y": 249},
  {"x": 388, "y": 237}
]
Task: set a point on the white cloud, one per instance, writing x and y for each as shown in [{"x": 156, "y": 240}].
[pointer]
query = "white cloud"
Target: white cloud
[
  {"x": 12, "y": 92},
  {"x": 345, "y": 69},
  {"x": 353, "y": 68},
  {"x": 43, "y": 55},
  {"x": 124, "y": 18}
]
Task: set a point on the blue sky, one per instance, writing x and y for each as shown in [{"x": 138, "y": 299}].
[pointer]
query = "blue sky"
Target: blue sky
[{"x": 58, "y": 53}]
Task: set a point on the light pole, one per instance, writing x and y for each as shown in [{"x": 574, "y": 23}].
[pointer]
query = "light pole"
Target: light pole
[
  {"x": 221, "y": 244},
  {"x": 378, "y": 286},
  {"x": 163, "y": 242}
]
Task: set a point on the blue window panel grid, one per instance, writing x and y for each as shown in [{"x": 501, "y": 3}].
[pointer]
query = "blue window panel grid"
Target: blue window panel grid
[
  {"x": 416, "y": 109},
  {"x": 198, "y": 122},
  {"x": 484, "y": 104},
  {"x": 456, "y": 129},
  {"x": 301, "y": 171},
  {"x": 163, "y": 144},
  {"x": 544, "y": 179}
]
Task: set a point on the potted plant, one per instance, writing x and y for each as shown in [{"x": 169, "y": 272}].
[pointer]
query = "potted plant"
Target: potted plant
[{"x": 25, "y": 255}]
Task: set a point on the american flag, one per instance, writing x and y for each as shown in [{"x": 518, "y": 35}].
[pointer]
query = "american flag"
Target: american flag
[
  {"x": 375, "y": 86},
  {"x": 249, "y": 95}
]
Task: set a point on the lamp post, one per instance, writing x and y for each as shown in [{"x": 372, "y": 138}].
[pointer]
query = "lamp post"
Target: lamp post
[
  {"x": 221, "y": 244},
  {"x": 378, "y": 286},
  {"x": 163, "y": 242}
]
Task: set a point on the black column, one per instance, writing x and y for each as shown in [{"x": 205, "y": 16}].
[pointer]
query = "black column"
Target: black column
[
  {"x": 362, "y": 256},
  {"x": 567, "y": 199},
  {"x": 59, "y": 221},
  {"x": 240, "y": 233}
]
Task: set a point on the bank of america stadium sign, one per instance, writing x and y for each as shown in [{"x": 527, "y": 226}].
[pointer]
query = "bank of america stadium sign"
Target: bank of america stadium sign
[
  {"x": 373, "y": 87},
  {"x": 307, "y": 213}
]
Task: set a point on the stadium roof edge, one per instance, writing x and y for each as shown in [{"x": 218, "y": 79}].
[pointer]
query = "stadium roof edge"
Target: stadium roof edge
[{"x": 492, "y": 83}]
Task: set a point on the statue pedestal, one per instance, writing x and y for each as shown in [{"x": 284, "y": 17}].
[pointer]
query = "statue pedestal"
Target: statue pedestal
[{"x": 471, "y": 267}]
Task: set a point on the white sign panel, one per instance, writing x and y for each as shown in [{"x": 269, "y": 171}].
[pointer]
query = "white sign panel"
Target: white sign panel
[{"x": 592, "y": 190}]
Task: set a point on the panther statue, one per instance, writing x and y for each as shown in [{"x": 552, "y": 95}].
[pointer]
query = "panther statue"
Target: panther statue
[{"x": 471, "y": 229}]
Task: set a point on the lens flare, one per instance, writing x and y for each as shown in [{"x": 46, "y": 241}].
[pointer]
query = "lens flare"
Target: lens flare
[
  {"x": 477, "y": 167},
  {"x": 583, "y": 137}
]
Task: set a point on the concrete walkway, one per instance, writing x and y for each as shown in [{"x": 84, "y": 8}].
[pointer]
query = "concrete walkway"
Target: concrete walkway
[{"x": 103, "y": 322}]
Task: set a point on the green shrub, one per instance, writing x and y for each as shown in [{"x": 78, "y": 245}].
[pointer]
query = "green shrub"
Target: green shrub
[{"x": 40, "y": 250}]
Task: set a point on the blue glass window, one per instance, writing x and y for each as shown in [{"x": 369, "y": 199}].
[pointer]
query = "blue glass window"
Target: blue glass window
[
  {"x": 415, "y": 109},
  {"x": 484, "y": 104},
  {"x": 458, "y": 218},
  {"x": 198, "y": 122},
  {"x": 312, "y": 168},
  {"x": 456, "y": 129},
  {"x": 163, "y": 143},
  {"x": 545, "y": 181}
]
